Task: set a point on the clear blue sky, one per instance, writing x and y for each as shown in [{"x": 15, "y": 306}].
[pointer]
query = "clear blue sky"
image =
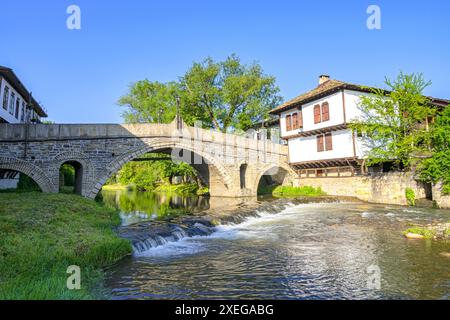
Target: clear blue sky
[{"x": 79, "y": 75}]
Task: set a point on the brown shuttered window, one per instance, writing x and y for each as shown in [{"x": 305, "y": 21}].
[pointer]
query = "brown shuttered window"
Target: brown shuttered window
[
  {"x": 300, "y": 119},
  {"x": 328, "y": 142},
  {"x": 320, "y": 146},
  {"x": 288, "y": 123},
  {"x": 295, "y": 121},
  {"x": 317, "y": 115},
  {"x": 325, "y": 111}
]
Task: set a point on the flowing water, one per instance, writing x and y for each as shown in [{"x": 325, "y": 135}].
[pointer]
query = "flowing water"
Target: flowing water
[{"x": 283, "y": 250}]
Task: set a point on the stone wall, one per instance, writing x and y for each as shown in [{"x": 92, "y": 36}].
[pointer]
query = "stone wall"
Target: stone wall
[
  {"x": 441, "y": 200},
  {"x": 387, "y": 188}
]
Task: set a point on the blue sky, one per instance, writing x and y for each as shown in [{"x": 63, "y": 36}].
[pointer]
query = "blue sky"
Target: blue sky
[{"x": 78, "y": 75}]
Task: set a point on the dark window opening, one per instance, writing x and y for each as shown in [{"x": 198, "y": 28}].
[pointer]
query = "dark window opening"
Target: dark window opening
[{"x": 242, "y": 173}]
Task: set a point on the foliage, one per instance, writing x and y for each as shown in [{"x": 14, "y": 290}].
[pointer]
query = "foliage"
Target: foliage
[
  {"x": 437, "y": 168},
  {"x": 26, "y": 184},
  {"x": 147, "y": 175},
  {"x": 202, "y": 191},
  {"x": 225, "y": 95},
  {"x": 43, "y": 234},
  {"x": 150, "y": 102},
  {"x": 68, "y": 173},
  {"x": 426, "y": 233},
  {"x": 393, "y": 123},
  {"x": 410, "y": 197},
  {"x": 305, "y": 191}
]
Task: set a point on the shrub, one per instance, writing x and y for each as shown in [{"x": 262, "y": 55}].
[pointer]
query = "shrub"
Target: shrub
[
  {"x": 305, "y": 191},
  {"x": 410, "y": 197}
]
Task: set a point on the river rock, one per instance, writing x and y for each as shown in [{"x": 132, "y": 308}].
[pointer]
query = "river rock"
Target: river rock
[
  {"x": 445, "y": 254},
  {"x": 414, "y": 236}
]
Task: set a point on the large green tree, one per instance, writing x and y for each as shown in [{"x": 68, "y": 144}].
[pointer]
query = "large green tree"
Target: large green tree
[
  {"x": 437, "y": 168},
  {"x": 394, "y": 122},
  {"x": 149, "y": 101},
  {"x": 225, "y": 95}
]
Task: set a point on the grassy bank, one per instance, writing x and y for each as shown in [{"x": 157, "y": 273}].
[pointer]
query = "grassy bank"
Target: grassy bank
[
  {"x": 114, "y": 187},
  {"x": 305, "y": 191},
  {"x": 183, "y": 189},
  {"x": 43, "y": 234}
]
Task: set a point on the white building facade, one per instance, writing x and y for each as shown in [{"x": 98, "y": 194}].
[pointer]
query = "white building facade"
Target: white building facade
[
  {"x": 16, "y": 103},
  {"x": 16, "y": 106},
  {"x": 316, "y": 126}
]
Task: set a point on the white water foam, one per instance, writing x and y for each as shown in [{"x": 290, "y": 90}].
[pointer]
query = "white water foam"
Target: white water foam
[{"x": 260, "y": 226}]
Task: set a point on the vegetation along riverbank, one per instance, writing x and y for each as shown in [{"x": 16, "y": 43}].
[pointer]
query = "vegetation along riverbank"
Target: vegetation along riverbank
[{"x": 44, "y": 234}]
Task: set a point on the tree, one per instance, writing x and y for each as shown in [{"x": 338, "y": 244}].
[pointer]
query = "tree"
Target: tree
[
  {"x": 394, "y": 123},
  {"x": 147, "y": 175},
  {"x": 437, "y": 168},
  {"x": 225, "y": 95},
  {"x": 149, "y": 101}
]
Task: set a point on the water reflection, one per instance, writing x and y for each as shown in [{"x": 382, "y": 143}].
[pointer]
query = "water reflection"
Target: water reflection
[
  {"x": 307, "y": 251},
  {"x": 136, "y": 206}
]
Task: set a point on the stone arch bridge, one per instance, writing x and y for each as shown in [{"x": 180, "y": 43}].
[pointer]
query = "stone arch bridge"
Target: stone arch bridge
[{"x": 230, "y": 165}]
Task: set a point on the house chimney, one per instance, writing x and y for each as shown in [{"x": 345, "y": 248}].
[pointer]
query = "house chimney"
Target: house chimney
[{"x": 323, "y": 78}]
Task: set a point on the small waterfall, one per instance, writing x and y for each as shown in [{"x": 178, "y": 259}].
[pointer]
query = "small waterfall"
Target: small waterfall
[
  {"x": 152, "y": 234},
  {"x": 147, "y": 235}
]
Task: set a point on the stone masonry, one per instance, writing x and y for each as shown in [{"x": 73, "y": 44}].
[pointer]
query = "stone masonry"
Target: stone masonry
[{"x": 100, "y": 150}]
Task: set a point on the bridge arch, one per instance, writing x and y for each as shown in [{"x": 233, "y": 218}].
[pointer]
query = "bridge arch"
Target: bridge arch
[
  {"x": 163, "y": 145},
  {"x": 84, "y": 172},
  {"x": 281, "y": 174},
  {"x": 32, "y": 171}
]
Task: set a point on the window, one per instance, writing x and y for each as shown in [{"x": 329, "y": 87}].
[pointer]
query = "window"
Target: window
[
  {"x": 295, "y": 121},
  {"x": 325, "y": 111},
  {"x": 324, "y": 142},
  {"x": 320, "y": 143},
  {"x": 12, "y": 99},
  {"x": 22, "y": 113},
  {"x": 288, "y": 123},
  {"x": 300, "y": 119},
  {"x": 5, "y": 98},
  {"x": 328, "y": 142},
  {"x": 17, "y": 108},
  {"x": 317, "y": 116},
  {"x": 321, "y": 113}
]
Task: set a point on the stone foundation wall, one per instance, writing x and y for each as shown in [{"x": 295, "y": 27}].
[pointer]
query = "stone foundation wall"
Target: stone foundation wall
[
  {"x": 387, "y": 188},
  {"x": 441, "y": 200}
]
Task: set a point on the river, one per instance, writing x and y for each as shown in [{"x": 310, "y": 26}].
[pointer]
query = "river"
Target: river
[{"x": 290, "y": 250}]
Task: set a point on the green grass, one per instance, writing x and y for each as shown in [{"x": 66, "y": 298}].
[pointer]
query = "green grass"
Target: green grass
[
  {"x": 305, "y": 191},
  {"x": 114, "y": 187},
  {"x": 426, "y": 233},
  {"x": 43, "y": 234},
  {"x": 179, "y": 189}
]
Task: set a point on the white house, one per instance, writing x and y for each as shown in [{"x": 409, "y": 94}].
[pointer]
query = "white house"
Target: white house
[
  {"x": 16, "y": 103},
  {"x": 315, "y": 124},
  {"x": 16, "y": 106}
]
